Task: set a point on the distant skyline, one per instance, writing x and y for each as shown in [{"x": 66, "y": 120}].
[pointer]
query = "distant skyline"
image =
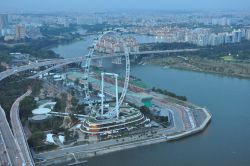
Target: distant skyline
[{"x": 100, "y": 5}]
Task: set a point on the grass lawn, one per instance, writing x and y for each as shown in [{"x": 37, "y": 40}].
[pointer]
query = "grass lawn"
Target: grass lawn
[{"x": 228, "y": 58}]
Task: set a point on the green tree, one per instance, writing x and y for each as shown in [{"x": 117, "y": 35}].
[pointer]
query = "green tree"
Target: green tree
[
  {"x": 36, "y": 139},
  {"x": 26, "y": 106},
  {"x": 77, "y": 81},
  {"x": 73, "y": 118},
  {"x": 60, "y": 105},
  {"x": 80, "y": 108}
]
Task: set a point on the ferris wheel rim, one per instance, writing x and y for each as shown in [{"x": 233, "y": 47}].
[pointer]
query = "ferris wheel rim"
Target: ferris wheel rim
[{"x": 127, "y": 68}]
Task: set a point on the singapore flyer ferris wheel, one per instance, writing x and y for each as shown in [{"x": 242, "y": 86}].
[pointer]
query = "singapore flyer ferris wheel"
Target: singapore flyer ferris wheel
[{"x": 117, "y": 34}]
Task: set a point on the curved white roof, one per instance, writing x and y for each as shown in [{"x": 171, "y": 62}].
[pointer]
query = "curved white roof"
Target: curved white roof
[
  {"x": 49, "y": 138},
  {"x": 40, "y": 111},
  {"x": 52, "y": 104},
  {"x": 39, "y": 117},
  {"x": 61, "y": 138}
]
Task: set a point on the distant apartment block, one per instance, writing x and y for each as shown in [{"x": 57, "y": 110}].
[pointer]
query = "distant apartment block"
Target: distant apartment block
[
  {"x": 20, "y": 32},
  {"x": 3, "y": 21}
]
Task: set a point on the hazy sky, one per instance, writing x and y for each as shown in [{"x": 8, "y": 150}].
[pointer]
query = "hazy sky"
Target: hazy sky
[{"x": 97, "y": 5}]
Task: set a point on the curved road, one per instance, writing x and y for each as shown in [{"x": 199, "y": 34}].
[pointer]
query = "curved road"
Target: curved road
[
  {"x": 18, "y": 132},
  {"x": 11, "y": 154}
]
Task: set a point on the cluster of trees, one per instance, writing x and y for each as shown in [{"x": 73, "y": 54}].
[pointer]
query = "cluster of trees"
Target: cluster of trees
[
  {"x": 76, "y": 107},
  {"x": 36, "y": 142},
  {"x": 36, "y": 48},
  {"x": 95, "y": 28},
  {"x": 39, "y": 48},
  {"x": 2, "y": 68},
  {"x": 166, "y": 46},
  {"x": 100, "y": 27},
  {"x": 26, "y": 106},
  {"x": 53, "y": 123},
  {"x": 49, "y": 31},
  {"x": 36, "y": 139},
  {"x": 11, "y": 88},
  {"x": 171, "y": 94},
  {"x": 61, "y": 103},
  {"x": 70, "y": 136},
  {"x": 242, "y": 49},
  {"x": 4, "y": 56}
]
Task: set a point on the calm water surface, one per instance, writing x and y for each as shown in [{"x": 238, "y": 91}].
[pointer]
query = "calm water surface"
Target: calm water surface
[{"x": 80, "y": 48}]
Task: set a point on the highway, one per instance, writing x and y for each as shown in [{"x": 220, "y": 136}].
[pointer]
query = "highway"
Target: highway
[
  {"x": 12, "y": 154},
  {"x": 33, "y": 65},
  {"x": 4, "y": 155},
  {"x": 18, "y": 130},
  {"x": 67, "y": 61}
]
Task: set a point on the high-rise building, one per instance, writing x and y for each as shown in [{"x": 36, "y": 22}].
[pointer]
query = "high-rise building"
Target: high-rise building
[
  {"x": 3, "y": 21},
  {"x": 221, "y": 38},
  {"x": 203, "y": 40},
  {"x": 228, "y": 38},
  {"x": 248, "y": 34},
  {"x": 236, "y": 36},
  {"x": 20, "y": 32}
]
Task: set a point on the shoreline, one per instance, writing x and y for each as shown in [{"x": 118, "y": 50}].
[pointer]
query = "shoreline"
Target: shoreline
[
  {"x": 101, "y": 150},
  {"x": 211, "y": 72},
  {"x": 200, "y": 71}
]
